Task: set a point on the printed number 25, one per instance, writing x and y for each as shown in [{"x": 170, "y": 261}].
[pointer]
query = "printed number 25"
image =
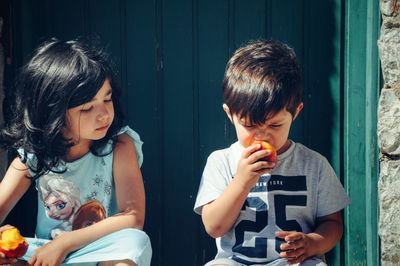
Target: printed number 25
[{"x": 260, "y": 247}]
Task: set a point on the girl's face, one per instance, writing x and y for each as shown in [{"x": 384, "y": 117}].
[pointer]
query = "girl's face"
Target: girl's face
[
  {"x": 90, "y": 121},
  {"x": 274, "y": 130},
  {"x": 58, "y": 208}
]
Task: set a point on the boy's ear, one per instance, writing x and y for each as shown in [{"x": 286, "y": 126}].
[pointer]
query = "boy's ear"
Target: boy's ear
[
  {"x": 227, "y": 111},
  {"x": 298, "y": 110}
]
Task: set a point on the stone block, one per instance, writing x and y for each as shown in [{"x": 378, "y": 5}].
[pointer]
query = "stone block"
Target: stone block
[
  {"x": 389, "y": 220},
  {"x": 389, "y": 120}
]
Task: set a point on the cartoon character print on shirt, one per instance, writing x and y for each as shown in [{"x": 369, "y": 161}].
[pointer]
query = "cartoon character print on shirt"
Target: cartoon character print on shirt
[
  {"x": 89, "y": 213},
  {"x": 61, "y": 200}
]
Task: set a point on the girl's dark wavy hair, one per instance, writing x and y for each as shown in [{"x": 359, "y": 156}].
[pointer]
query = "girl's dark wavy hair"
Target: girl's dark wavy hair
[
  {"x": 261, "y": 79},
  {"x": 60, "y": 75}
]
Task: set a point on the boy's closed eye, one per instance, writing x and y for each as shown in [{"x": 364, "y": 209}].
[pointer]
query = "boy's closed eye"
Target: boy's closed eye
[{"x": 248, "y": 126}]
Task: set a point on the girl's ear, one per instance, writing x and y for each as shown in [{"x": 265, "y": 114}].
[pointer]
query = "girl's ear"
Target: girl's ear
[
  {"x": 227, "y": 111},
  {"x": 298, "y": 109}
]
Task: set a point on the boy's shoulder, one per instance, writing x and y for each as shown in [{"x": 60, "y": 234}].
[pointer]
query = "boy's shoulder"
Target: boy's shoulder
[
  {"x": 304, "y": 153},
  {"x": 228, "y": 152},
  {"x": 301, "y": 148}
]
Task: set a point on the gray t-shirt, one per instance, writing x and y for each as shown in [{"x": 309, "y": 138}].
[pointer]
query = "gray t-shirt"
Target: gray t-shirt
[{"x": 301, "y": 188}]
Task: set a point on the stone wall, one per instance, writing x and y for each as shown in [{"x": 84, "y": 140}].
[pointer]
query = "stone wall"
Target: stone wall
[{"x": 389, "y": 133}]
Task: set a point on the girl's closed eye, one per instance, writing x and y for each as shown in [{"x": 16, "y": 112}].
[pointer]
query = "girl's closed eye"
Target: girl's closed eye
[{"x": 87, "y": 109}]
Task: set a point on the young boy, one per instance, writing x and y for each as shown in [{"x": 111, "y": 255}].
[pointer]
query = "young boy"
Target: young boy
[{"x": 260, "y": 212}]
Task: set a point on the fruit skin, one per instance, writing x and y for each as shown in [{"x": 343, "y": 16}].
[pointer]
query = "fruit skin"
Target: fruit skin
[
  {"x": 12, "y": 244},
  {"x": 272, "y": 157}
]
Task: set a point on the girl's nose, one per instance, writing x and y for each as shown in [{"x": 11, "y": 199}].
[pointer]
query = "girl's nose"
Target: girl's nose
[{"x": 103, "y": 115}]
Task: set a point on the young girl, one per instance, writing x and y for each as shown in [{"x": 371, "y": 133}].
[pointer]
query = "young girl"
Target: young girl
[{"x": 67, "y": 129}]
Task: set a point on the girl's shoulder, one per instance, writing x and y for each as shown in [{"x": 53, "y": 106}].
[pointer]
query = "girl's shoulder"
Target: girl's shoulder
[{"x": 128, "y": 134}]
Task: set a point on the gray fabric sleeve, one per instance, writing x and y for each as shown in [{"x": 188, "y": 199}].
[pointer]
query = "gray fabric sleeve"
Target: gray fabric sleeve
[
  {"x": 214, "y": 180},
  {"x": 331, "y": 194}
]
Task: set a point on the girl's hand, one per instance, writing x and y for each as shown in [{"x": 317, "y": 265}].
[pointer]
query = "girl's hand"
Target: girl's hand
[
  {"x": 6, "y": 261},
  {"x": 297, "y": 247},
  {"x": 250, "y": 167},
  {"x": 3, "y": 259},
  {"x": 52, "y": 253}
]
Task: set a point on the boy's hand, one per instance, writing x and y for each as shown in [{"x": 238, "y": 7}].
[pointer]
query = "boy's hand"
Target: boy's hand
[
  {"x": 297, "y": 247},
  {"x": 3, "y": 259},
  {"x": 250, "y": 167}
]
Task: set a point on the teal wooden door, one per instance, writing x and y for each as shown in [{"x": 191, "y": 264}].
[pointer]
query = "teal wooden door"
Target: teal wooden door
[{"x": 171, "y": 57}]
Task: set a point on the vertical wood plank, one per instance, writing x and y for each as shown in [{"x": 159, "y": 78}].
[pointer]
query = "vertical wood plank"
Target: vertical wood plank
[
  {"x": 361, "y": 85},
  {"x": 67, "y": 19},
  {"x": 213, "y": 53},
  {"x": 104, "y": 22},
  {"x": 143, "y": 103},
  {"x": 178, "y": 138}
]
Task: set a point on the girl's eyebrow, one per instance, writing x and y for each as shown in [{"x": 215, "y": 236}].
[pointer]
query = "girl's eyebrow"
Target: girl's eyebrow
[{"x": 108, "y": 93}]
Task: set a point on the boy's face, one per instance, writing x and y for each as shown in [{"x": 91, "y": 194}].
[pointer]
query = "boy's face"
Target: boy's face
[{"x": 274, "y": 130}]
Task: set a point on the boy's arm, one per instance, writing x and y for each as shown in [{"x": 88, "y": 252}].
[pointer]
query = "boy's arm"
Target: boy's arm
[
  {"x": 300, "y": 246},
  {"x": 13, "y": 186},
  {"x": 220, "y": 215},
  {"x": 130, "y": 193}
]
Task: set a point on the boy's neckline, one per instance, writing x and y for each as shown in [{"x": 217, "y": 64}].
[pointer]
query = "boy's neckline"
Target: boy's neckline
[
  {"x": 285, "y": 147},
  {"x": 288, "y": 150}
]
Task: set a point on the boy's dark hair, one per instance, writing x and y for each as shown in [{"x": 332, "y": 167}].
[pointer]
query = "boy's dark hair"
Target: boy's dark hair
[
  {"x": 60, "y": 75},
  {"x": 261, "y": 79}
]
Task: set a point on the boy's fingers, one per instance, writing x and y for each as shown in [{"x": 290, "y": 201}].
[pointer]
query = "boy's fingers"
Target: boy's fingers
[
  {"x": 294, "y": 237},
  {"x": 298, "y": 259},
  {"x": 257, "y": 156},
  {"x": 250, "y": 150},
  {"x": 283, "y": 234}
]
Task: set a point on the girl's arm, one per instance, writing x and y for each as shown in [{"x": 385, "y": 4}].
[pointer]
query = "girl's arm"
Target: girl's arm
[
  {"x": 13, "y": 186},
  {"x": 131, "y": 203}
]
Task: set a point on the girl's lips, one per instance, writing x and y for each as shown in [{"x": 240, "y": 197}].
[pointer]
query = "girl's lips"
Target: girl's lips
[{"x": 102, "y": 128}]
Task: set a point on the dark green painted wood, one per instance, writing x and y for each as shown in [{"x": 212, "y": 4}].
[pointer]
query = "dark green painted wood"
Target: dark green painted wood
[
  {"x": 179, "y": 31},
  {"x": 170, "y": 56},
  {"x": 361, "y": 89},
  {"x": 212, "y": 57},
  {"x": 143, "y": 102}
]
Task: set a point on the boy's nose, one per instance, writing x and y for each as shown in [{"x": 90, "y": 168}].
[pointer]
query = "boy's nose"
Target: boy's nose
[{"x": 261, "y": 134}]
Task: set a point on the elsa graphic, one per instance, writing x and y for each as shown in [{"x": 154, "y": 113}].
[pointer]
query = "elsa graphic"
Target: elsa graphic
[{"x": 61, "y": 200}]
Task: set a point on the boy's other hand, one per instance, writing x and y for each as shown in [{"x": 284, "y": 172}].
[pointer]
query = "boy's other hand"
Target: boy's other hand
[
  {"x": 250, "y": 167},
  {"x": 297, "y": 247}
]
